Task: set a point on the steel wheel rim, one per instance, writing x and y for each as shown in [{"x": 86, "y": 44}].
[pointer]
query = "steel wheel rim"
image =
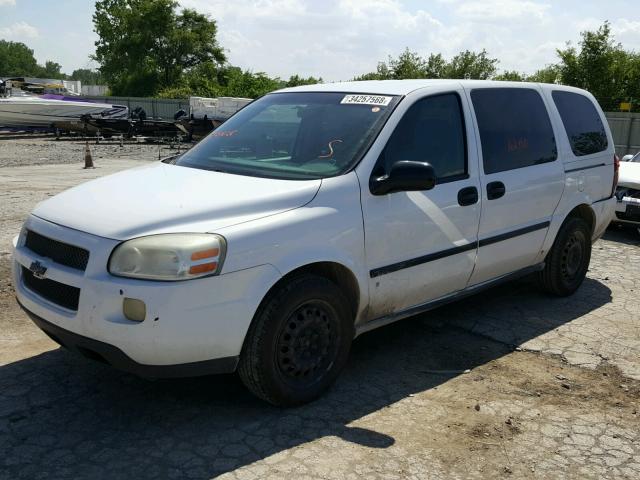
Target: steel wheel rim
[
  {"x": 307, "y": 344},
  {"x": 573, "y": 256}
]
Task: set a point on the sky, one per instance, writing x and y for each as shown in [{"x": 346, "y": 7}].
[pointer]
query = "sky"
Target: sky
[{"x": 338, "y": 39}]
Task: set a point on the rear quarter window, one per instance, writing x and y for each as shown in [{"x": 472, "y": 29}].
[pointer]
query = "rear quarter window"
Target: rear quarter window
[
  {"x": 515, "y": 130},
  {"x": 582, "y": 123}
]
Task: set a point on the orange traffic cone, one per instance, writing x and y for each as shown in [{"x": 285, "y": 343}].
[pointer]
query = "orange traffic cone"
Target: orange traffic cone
[{"x": 88, "y": 160}]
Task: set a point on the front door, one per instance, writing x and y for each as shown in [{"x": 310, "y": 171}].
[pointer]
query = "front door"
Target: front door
[{"x": 421, "y": 245}]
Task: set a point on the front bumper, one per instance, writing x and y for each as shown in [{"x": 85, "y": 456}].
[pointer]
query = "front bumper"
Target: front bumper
[
  {"x": 186, "y": 322},
  {"x": 627, "y": 210},
  {"x": 111, "y": 355}
]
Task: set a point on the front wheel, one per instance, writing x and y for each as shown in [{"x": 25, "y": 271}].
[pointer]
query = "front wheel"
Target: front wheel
[
  {"x": 298, "y": 342},
  {"x": 568, "y": 260}
]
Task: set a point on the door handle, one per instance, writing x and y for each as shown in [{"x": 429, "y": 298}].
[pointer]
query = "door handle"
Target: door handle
[
  {"x": 468, "y": 196},
  {"x": 495, "y": 190}
]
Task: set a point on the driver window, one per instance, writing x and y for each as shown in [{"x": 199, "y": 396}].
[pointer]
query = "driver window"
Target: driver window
[{"x": 432, "y": 130}]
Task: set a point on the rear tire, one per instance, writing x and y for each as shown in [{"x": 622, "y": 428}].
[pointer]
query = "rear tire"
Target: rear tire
[
  {"x": 568, "y": 260},
  {"x": 298, "y": 342}
]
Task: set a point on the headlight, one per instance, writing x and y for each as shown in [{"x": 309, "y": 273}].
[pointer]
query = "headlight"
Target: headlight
[{"x": 173, "y": 256}]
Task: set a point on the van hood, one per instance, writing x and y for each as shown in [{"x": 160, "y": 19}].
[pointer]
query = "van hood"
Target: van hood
[{"x": 164, "y": 198}]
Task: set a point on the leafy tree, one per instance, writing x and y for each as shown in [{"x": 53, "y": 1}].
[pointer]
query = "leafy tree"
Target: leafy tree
[
  {"x": 296, "y": 80},
  {"x": 201, "y": 81},
  {"x": 599, "y": 65},
  {"x": 51, "y": 70},
  {"x": 409, "y": 64},
  {"x": 244, "y": 83},
  {"x": 87, "y": 76},
  {"x": 210, "y": 80},
  {"x": 146, "y": 45},
  {"x": 436, "y": 66},
  {"x": 512, "y": 76},
  {"x": 16, "y": 60},
  {"x": 548, "y": 74},
  {"x": 472, "y": 65}
]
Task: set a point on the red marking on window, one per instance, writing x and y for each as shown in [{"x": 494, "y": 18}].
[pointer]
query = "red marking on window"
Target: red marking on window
[{"x": 515, "y": 144}]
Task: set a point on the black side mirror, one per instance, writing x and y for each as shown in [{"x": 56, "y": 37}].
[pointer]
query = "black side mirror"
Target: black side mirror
[{"x": 405, "y": 176}]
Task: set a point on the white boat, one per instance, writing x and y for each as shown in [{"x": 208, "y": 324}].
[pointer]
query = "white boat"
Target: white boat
[{"x": 37, "y": 112}]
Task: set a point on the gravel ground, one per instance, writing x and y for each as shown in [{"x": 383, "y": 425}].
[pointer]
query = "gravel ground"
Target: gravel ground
[
  {"x": 509, "y": 384},
  {"x": 21, "y": 150}
]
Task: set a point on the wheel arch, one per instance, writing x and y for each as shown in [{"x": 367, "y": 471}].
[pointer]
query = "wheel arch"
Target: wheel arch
[
  {"x": 336, "y": 272},
  {"x": 581, "y": 210},
  {"x": 584, "y": 212}
]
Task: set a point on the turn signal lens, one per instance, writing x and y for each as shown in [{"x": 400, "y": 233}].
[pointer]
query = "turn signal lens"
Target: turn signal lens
[
  {"x": 212, "y": 252},
  {"x": 203, "y": 268}
]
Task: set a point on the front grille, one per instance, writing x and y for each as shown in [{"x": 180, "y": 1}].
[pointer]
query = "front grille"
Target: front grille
[
  {"x": 59, "y": 252},
  {"x": 64, "y": 295}
]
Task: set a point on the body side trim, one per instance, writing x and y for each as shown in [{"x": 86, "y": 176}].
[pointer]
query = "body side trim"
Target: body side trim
[
  {"x": 420, "y": 260},
  {"x": 585, "y": 168},
  {"x": 394, "y": 267},
  {"x": 514, "y": 233}
]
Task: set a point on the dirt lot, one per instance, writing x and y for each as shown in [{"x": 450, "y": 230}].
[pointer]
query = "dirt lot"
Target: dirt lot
[
  {"x": 20, "y": 150},
  {"x": 509, "y": 384}
]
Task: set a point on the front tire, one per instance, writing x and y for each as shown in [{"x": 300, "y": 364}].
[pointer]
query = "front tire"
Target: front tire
[
  {"x": 298, "y": 342},
  {"x": 568, "y": 260}
]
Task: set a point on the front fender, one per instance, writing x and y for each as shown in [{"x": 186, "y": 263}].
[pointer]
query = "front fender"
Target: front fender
[{"x": 328, "y": 229}]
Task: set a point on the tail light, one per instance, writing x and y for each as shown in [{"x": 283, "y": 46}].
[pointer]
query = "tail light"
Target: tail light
[{"x": 616, "y": 172}]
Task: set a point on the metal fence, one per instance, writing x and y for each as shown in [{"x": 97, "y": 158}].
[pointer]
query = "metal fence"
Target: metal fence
[
  {"x": 625, "y": 128},
  {"x": 161, "y": 108}
]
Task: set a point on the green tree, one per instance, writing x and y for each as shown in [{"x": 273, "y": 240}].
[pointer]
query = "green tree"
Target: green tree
[
  {"x": 145, "y": 46},
  {"x": 244, "y": 83},
  {"x": 599, "y": 65},
  {"x": 472, "y": 65},
  {"x": 436, "y": 66},
  {"x": 87, "y": 76},
  {"x": 511, "y": 75},
  {"x": 51, "y": 70},
  {"x": 408, "y": 64},
  {"x": 296, "y": 80},
  {"x": 548, "y": 74},
  {"x": 17, "y": 60}
]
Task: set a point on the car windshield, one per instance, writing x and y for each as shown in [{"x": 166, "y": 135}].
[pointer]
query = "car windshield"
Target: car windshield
[{"x": 294, "y": 135}]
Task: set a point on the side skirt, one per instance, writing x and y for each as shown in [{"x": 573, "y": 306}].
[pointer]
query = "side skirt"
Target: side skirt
[{"x": 425, "y": 307}]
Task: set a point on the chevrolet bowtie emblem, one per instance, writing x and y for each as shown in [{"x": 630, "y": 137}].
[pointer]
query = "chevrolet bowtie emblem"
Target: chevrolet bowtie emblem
[{"x": 38, "y": 269}]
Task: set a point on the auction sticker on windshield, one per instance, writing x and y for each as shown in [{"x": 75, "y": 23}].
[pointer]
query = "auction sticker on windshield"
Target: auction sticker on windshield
[{"x": 366, "y": 100}]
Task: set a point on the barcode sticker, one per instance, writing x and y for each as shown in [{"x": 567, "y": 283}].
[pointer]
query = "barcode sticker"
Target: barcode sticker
[{"x": 377, "y": 100}]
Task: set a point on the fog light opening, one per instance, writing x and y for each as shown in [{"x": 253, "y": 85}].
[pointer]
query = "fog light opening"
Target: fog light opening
[{"x": 134, "y": 309}]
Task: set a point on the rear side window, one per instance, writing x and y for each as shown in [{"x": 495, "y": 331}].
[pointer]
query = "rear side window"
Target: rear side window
[
  {"x": 432, "y": 130},
  {"x": 515, "y": 130},
  {"x": 581, "y": 121}
]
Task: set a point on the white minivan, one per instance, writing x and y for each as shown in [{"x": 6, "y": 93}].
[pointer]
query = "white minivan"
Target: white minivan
[{"x": 313, "y": 215}]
